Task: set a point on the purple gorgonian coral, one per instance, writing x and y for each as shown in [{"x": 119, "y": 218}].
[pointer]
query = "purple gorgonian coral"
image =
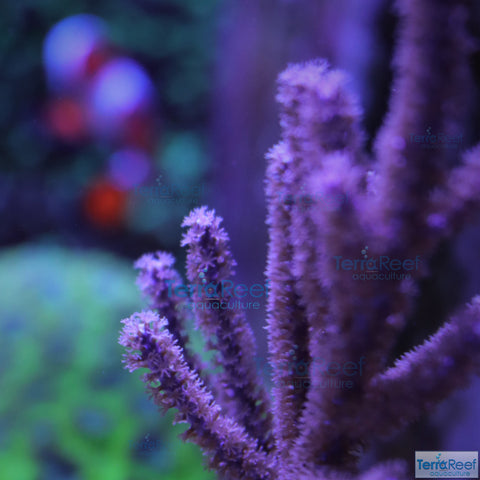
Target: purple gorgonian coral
[{"x": 401, "y": 203}]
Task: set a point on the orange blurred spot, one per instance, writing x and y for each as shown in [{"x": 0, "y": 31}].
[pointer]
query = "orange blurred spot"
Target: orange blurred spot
[
  {"x": 66, "y": 118},
  {"x": 105, "y": 205}
]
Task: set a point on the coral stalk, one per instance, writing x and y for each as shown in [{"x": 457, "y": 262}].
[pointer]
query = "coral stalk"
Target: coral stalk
[
  {"x": 155, "y": 279},
  {"x": 209, "y": 262},
  {"x": 172, "y": 383},
  {"x": 365, "y": 216}
]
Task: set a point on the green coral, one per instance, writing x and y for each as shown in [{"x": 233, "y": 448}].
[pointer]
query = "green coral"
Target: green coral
[{"x": 68, "y": 410}]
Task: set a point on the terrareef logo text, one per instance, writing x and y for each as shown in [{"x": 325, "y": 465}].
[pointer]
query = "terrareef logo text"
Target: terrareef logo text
[
  {"x": 165, "y": 194},
  {"x": 331, "y": 374},
  {"x": 298, "y": 374},
  {"x": 145, "y": 446},
  {"x": 221, "y": 290},
  {"x": 446, "y": 464},
  {"x": 215, "y": 305},
  {"x": 303, "y": 201},
  {"x": 440, "y": 140},
  {"x": 225, "y": 295},
  {"x": 380, "y": 268}
]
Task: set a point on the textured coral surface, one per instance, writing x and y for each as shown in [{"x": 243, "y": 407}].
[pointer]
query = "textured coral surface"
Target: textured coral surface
[{"x": 344, "y": 274}]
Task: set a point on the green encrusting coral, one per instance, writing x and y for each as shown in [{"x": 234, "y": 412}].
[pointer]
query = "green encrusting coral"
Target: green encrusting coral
[{"x": 68, "y": 410}]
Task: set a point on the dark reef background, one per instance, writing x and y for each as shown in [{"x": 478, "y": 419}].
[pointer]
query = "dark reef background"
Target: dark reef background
[{"x": 72, "y": 222}]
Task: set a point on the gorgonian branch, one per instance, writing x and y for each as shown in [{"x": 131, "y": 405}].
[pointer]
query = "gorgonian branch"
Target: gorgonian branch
[
  {"x": 424, "y": 376},
  {"x": 209, "y": 263},
  {"x": 156, "y": 279},
  {"x": 173, "y": 384}
]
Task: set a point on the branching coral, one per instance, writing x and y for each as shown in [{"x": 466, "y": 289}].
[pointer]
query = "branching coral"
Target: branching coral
[{"x": 399, "y": 205}]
